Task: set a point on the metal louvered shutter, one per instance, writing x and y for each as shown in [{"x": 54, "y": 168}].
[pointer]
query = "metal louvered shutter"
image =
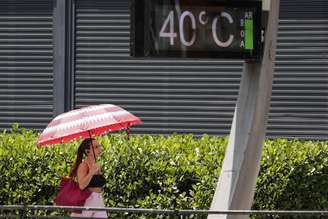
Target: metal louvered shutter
[
  {"x": 198, "y": 96},
  {"x": 26, "y": 63},
  {"x": 303, "y": 9},
  {"x": 183, "y": 96},
  {"x": 300, "y": 89}
]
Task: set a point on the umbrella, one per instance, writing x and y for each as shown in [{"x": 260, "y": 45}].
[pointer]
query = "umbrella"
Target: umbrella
[{"x": 86, "y": 122}]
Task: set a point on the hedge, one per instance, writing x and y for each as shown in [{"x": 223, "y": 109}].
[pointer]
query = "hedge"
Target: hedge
[{"x": 165, "y": 172}]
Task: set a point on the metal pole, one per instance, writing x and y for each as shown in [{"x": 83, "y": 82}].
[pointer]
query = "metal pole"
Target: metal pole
[
  {"x": 92, "y": 146},
  {"x": 59, "y": 56},
  {"x": 22, "y": 213},
  {"x": 128, "y": 132}
]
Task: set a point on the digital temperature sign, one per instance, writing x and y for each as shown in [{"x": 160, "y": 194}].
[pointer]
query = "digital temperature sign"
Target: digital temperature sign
[{"x": 196, "y": 28}]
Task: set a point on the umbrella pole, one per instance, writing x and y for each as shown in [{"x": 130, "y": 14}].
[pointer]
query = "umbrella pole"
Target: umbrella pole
[
  {"x": 128, "y": 131},
  {"x": 92, "y": 147}
]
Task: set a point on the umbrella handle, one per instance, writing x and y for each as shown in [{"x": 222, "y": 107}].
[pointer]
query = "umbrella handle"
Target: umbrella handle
[
  {"x": 94, "y": 155},
  {"x": 128, "y": 132}
]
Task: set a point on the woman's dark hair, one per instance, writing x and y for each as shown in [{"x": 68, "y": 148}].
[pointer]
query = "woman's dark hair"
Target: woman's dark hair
[{"x": 81, "y": 151}]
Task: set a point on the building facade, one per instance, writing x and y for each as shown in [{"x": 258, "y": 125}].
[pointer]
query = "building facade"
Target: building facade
[{"x": 56, "y": 55}]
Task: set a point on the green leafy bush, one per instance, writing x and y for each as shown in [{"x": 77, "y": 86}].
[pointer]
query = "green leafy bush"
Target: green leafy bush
[
  {"x": 294, "y": 175},
  {"x": 171, "y": 172}
]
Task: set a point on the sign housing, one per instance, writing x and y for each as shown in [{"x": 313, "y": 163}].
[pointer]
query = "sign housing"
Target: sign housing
[{"x": 196, "y": 29}]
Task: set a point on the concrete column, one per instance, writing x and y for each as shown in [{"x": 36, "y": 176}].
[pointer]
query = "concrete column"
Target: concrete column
[{"x": 237, "y": 182}]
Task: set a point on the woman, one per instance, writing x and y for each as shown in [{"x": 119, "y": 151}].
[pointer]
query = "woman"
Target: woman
[{"x": 88, "y": 175}]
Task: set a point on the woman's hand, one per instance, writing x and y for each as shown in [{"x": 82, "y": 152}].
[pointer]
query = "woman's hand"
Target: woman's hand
[{"x": 94, "y": 168}]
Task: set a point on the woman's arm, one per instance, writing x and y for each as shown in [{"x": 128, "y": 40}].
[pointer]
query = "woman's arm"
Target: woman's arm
[{"x": 84, "y": 175}]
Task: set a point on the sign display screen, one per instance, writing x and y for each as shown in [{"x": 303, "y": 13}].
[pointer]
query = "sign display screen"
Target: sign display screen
[{"x": 196, "y": 29}]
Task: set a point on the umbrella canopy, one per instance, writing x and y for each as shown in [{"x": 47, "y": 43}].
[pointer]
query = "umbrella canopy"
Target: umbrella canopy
[{"x": 86, "y": 122}]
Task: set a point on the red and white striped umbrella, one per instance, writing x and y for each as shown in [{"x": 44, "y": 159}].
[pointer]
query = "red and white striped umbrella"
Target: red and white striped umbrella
[{"x": 86, "y": 122}]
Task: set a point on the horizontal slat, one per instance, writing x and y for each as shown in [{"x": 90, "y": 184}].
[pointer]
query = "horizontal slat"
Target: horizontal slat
[
  {"x": 23, "y": 114},
  {"x": 226, "y": 82},
  {"x": 233, "y": 73},
  {"x": 22, "y": 57},
  {"x": 23, "y": 120},
  {"x": 25, "y": 108},
  {"x": 148, "y": 67},
  {"x": 24, "y": 34},
  {"x": 99, "y": 37},
  {"x": 304, "y": 9},
  {"x": 162, "y": 102},
  {"x": 7, "y": 31}
]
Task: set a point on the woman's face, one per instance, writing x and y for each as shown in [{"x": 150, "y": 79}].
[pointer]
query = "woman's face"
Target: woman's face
[{"x": 96, "y": 148}]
